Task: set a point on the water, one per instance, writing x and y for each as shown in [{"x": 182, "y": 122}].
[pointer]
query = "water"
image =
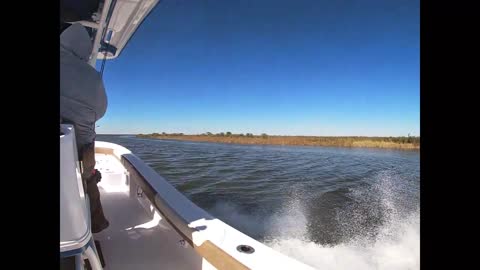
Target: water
[{"x": 331, "y": 208}]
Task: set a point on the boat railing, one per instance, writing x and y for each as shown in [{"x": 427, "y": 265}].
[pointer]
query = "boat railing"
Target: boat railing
[{"x": 220, "y": 244}]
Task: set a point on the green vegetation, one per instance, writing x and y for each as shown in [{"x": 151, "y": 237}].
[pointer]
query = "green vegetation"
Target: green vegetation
[{"x": 408, "y": 142}]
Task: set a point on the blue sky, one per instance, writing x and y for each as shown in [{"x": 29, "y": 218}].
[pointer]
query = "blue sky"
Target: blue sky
[{"x": 298, "y": 67}]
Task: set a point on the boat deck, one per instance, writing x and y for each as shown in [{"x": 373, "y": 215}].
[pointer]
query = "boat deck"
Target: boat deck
[{"x": 137, "y": 239}]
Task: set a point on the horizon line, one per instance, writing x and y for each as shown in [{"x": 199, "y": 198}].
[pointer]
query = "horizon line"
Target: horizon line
[{"x": 185, "y": 134}]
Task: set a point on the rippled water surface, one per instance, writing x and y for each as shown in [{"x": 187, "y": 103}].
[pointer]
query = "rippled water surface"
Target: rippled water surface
[{"x": 332, "y": 208}]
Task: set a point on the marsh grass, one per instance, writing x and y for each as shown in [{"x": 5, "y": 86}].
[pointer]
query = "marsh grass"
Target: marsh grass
[{"x": 264, "y": 139}]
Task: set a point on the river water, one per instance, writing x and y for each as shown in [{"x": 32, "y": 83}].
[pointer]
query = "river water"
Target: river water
[{"x": 329, "y": 207}]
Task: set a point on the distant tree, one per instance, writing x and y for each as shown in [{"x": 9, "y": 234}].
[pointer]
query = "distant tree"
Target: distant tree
[
  {"x": 221, "y": 134},
  {"x": 228, "y": 133},
  {"x": 249, "y": 135},
  {"x": 241, "y": 135},
  {"x": 209, "y": 134},
  {"x": 163, "y": 133},
  {"x": 264, "y": 135}
]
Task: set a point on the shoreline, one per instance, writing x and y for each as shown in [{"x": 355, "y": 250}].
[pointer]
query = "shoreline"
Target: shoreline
[{"x": 399, "y": 143}]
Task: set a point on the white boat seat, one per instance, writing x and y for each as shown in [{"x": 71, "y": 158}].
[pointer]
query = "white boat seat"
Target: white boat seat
[{"x": 75, "y": 228}]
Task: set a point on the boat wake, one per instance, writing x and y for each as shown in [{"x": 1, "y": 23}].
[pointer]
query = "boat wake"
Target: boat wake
[
  {"x": 374, "y": 226},
  {"x": 397, "y": 248}
]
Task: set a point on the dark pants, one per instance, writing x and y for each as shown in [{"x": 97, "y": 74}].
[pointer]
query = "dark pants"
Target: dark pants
[{"x": 90, "y": 178}]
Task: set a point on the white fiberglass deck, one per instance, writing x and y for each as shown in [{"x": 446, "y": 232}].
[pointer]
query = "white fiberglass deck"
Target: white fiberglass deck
[{"x": 135, "y": 239}]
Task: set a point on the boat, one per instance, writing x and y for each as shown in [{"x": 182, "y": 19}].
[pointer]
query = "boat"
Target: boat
[{"x": 152, "y": 224}]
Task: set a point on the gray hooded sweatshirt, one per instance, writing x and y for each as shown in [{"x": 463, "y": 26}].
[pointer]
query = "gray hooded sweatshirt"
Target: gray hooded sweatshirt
[{"x": 82, "y": 95}]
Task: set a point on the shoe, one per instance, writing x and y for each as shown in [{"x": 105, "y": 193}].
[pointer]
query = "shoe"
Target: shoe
[{"x": 98, "y": 228}]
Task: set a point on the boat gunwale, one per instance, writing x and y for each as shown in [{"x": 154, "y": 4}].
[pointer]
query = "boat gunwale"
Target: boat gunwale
[
  {"x": 145, "y": 177},
  {"x": 208, "y": 250}
]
